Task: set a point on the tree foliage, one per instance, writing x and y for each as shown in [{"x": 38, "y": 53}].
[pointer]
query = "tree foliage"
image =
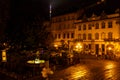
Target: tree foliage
[{"x": 29, "y": 35}]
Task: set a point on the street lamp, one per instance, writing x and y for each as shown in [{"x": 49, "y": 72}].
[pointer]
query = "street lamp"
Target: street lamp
[
  {"x": 56, "y": 46},
  {"x": 110, "y": 48},
  {"x": 78, "y": 47}
]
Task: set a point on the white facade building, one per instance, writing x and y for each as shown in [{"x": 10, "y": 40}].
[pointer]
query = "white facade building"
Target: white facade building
[{"x": 97, "y": 34}]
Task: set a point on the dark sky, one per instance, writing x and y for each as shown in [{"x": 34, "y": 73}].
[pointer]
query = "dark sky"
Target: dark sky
[
  {"x": 41, "y": 7},
  {"x": 22, "y": 12},
  {"x": 109, "y": 6}
]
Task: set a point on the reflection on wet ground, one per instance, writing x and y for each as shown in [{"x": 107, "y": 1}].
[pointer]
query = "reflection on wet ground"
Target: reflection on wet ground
[{"x": 90, "y": 70}]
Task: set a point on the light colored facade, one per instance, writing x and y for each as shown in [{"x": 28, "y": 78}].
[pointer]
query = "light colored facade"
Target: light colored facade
[
  {"x": 63, "y": 28},
  {"x": 97, "y": 34}
]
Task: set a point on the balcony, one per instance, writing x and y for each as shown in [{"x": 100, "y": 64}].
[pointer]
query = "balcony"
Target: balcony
[{"x": 111, "y": 40}]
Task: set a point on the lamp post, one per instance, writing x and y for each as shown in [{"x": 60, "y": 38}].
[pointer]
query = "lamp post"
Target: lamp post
[{"x": 78, "y": 47}]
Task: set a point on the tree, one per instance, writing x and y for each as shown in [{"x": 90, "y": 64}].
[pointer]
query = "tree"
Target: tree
[{"x": 31, "y": 34}]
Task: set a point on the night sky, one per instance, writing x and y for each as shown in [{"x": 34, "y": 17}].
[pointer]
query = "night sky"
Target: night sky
[
  {"x": 22, "y": 11},
  {"x": 19, "y": 13},
  {"x": 41, "y": 7}
]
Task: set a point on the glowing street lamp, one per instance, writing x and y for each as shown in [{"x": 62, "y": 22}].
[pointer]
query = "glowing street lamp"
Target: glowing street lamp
[
  {"x": 78, "y": 47},
  {"x": 56, "y": 46},
  {"x": 109, "y": 48}
]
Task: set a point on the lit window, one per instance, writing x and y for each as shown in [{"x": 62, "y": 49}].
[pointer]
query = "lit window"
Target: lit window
[{"x": 96, "y": 36}]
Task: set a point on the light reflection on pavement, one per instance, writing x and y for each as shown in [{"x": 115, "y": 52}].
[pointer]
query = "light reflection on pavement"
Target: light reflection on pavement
[
  {"x": 111, "y": 71},
  {"x": 78, "y": 72},
  {"x": 91, "y": 70}
]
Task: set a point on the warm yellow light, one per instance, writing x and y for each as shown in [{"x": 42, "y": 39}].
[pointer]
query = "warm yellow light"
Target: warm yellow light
[
  {"x": 36, "y": 61},
  {"x": 110, "y": 67},
  {"x": 78, "y": 72},
  {"x": 4, "y": 58},
  {"x": 78, "y": 45},
  {"x": 109, "y": 48},
  {"x": 56, "y": 45}
]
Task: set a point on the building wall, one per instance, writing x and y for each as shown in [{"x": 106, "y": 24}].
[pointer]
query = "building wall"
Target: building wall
[
  {"x": 63, "y": 26},
  {"x": 97, "y": 44}
]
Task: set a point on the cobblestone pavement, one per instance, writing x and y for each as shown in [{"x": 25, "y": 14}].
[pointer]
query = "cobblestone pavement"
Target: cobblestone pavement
[
  {"x": 90, "y": 70},
  {"x": 87, "y": 69}
]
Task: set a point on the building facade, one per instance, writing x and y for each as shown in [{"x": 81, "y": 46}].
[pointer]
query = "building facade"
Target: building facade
[
  {"x": 99, "y": 34},
  {"x": 63, "y": 28},
  {"x": 96, "y": 34}
]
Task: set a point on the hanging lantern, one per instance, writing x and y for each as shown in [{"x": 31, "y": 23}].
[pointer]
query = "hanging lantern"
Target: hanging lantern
[{"x": 4, "y": 58}]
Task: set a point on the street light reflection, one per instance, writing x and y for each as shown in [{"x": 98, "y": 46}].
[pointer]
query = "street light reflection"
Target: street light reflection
[
  {"x": 110, "y": 70},
  {"x": 79, "y": 72},
  {"x": 109, "y": 65}
]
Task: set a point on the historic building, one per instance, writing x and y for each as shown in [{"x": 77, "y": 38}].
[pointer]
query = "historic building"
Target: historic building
[
  {"x": 63, "y": 28},
  {"x": 99, "y": 34},
  {"x": 96, "y": 34}
]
